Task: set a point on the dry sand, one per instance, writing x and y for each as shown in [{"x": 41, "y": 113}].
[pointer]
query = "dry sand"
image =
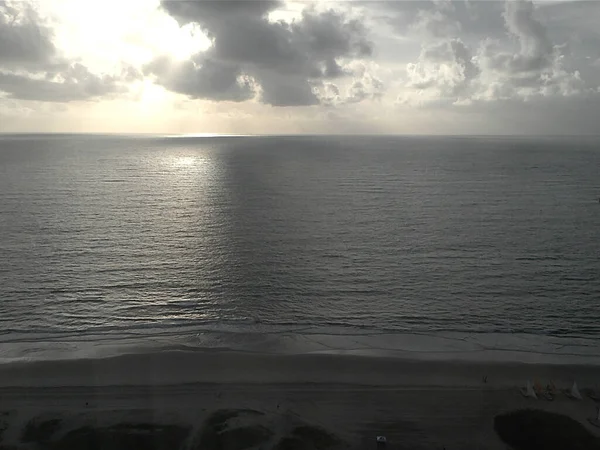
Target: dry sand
[{"x": 416, "y": 404}]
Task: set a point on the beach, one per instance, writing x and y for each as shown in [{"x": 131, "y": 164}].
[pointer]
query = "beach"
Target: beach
[{"x": 415, "y": 404}]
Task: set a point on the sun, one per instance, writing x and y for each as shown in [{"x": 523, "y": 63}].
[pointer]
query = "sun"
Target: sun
[
  {"x": 152, "y": 95},
  {"x": 104, "y": 34},
  {"x": 183, "y": 42}
]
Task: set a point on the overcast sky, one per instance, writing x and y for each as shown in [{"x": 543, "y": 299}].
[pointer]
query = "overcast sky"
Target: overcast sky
[{"x": 262, "y": 67}]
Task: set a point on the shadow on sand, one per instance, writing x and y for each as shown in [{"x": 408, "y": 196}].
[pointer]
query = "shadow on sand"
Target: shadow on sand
[
  {"x": 222, "y": 430},
  {"x": 531, "y": 429}
]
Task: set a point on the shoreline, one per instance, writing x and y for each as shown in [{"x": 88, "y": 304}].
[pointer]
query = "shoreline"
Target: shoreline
[{"x": 434, "y": 346}]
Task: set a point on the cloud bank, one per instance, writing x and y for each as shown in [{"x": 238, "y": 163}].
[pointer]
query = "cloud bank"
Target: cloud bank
[
  {"x": 392, "y": 66},
  {"x": 31, "y": 67},
  {"x": 278, "y": 63}
]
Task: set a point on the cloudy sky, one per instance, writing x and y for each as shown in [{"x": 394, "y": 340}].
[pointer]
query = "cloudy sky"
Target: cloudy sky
[{"x": 277, "y": 66}]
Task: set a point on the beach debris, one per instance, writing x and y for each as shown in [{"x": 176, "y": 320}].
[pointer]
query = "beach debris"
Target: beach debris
[
  {"x": 528, "y": 391},
  {"x": 381, "y": 442},
  {"x": 595, "y": 420},
  {"x": 574, "y": 392}
]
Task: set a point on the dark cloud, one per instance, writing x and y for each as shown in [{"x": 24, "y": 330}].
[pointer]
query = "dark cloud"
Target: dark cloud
[
  {"x": 332, "y": 69},
  {"x": 284, "y": 59},
  {"x": 538, "y": 65},
  {"x": 208, "y": 13},
  {"x": 330, "y": 34},
  {"x": 442, "y": 18},
  {"x": 74, "y": 84},
  {"x": 536, "y": 50},
  {"x": 203, "y": 78},
  {"x": 285, "y": 90},
  {"x": 24, "y": 42}
]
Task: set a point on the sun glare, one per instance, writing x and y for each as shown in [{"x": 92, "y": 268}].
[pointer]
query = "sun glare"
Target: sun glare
[
  {"x": 152, "y": 95},
  {"x": 185, "y": 161},
  {"x": 185, "y": 41},
  {"x": 139, "y": 31}
]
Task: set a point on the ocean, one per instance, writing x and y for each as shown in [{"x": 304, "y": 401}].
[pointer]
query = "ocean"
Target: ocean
[{"x": 451, "y": 246}]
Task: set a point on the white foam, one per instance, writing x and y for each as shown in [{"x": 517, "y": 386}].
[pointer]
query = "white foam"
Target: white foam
[{"x": 435, "y": 346}]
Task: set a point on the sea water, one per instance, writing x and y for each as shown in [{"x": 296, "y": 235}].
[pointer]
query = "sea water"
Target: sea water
[{"x": 440, "y": 245}]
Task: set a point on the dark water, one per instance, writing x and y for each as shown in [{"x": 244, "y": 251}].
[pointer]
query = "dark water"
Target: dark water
[{"x": 116, "y": 238}]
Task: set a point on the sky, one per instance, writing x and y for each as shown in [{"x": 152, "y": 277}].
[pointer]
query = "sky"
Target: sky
[{"x": 289, "y": 67}]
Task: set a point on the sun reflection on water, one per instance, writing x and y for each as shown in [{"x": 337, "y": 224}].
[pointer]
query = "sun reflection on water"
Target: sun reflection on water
[{"x": 186, "y": 161}]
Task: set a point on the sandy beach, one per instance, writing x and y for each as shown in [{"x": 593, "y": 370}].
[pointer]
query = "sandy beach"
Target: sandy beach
[{"x": 415, "y": 404}]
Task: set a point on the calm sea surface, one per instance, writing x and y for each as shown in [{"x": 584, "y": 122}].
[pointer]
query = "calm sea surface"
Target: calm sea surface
[{"x": 223, "y": 241}]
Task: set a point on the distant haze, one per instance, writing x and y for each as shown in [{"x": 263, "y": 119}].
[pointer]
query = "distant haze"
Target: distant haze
[{"x": 272, "y": 67}]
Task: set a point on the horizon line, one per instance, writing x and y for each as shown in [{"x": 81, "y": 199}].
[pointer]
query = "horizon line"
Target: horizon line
[{"x": 213, "y": 135}]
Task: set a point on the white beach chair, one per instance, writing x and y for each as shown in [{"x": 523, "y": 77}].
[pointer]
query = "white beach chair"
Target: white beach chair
[
  {"x": 574, "y": 393},
  {"x": 528, "y": 391}
]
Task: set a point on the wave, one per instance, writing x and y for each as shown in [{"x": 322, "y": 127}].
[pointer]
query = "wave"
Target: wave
[{"x": 135, "y": 327}]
